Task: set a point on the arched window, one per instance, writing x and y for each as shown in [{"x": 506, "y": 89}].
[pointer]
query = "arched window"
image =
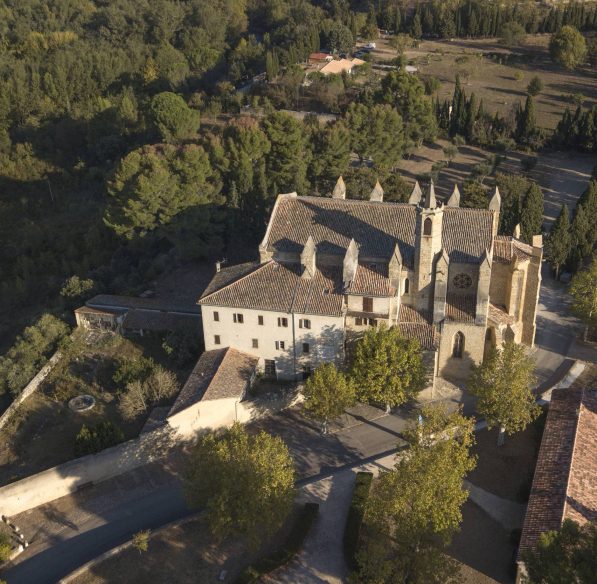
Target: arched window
[
  {"x": 406, "y": 286},
  {"x": 458, "y": 347},
  {"x": 427, "y": 225}
]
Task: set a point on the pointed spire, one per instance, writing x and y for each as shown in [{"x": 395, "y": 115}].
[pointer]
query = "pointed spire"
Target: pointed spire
[
  {"x": 416, "y": 194},
  {"x": 339, "y": 191},
  {"x": 308, "y": 261},
  {"x": 454, "y": 200},
  {"x": 376, "y": 193},
  {"x": 430, "y": 201},
  {"x": 496, "y": 201},
  {"x": 517, "y": 231},
  {"x": 351, "y": 261},
  {"x": 395, "y": 267},
  {"x": 486, "y": 259},
  {"x": 444, "y": 258}
]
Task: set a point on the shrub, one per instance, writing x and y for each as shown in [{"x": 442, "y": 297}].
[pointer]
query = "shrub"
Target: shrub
[
  {"x": 182, "y": 347},
  {"x": 131, "y": 370},
  {"x": 432, "y": 84},
  {"x": 140, "y": 540},
  {"x": 287, "y": 551},
  {"x": 5, "y": 548},
  {"x": 97, "y": 438},
  {"x": 528, "y": 163},
  {"x": 535, "y": 86},
  {"x": 140, "y": 395},
  {"x": 30, "y": 352},
  {"x": 354, "y": 521}
]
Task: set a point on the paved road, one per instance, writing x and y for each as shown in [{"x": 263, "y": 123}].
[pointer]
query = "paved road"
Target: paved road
[{"x": 73, "y": 530}]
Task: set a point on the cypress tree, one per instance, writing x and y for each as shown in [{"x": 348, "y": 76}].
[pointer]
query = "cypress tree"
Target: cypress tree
[
  {"x": 417, "y": 29},
  {"x": 527, "y": 122},
  {"x": 582, "y": 239},
  {"x": 471, "y": 117},
  {"x": 557, "y": 246},
  {"x": 531, "y": 215}
]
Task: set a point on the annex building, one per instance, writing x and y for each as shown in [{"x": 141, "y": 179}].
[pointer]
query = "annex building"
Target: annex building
[{"x": 331, "y": 267}]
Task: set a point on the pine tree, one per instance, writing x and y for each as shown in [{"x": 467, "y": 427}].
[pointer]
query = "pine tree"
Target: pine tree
[
  {"x": 531, "y": 214},
  {"x": 557, "y": 246}
]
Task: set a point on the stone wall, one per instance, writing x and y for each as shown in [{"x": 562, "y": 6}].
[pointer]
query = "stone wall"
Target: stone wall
[
  {"x": 31, "y": 388},
  {"x": 456, "y": 369}
]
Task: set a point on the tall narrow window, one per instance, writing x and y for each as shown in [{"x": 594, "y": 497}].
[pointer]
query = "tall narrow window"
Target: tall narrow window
[
  {"x": 427, "y": 224},
  {"x": 458, "y": 347},
  {"x": 304, "y": 323},
  {"x": 406, "y": 285},
  {"x": 282, "y": 321},
  {"x": 306, "y": 348},
  {"x": 255, "y": 344},
  {"x": 367, "y": 304},
  {"x": 238, "y": 318},
  {"x": 260, "y": 320},
  {"x": 216, "y": 339},
  {"x": 216, "y": 316}
]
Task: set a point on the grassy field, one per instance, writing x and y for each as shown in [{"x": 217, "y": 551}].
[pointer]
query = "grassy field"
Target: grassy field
[
  {"x": 42, "y": 433},
  {"x": 499, "y": 75}
]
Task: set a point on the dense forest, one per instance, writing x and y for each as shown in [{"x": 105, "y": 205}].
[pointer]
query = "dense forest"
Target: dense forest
[{"x": 113, "y": 167}]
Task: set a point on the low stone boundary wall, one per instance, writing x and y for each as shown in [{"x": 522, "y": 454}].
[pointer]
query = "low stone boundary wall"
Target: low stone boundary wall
[
  {"x": 83, "y": 472},
  {"x": 30, "y": 388}
]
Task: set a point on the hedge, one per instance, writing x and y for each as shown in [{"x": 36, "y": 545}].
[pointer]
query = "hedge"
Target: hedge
[
  {"x": 287, "y": 551},
  {"x": 354, "y": 521}
]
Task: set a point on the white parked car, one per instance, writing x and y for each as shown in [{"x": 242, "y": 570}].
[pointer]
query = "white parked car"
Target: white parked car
[{"x": 370, "y": 45}]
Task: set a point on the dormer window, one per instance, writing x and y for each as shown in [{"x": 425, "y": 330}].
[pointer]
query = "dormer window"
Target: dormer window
[{"x": 427, "y": 226}]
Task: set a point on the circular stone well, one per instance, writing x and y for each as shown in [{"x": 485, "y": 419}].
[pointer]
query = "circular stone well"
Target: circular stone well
[{"x": 82, "y": 403}]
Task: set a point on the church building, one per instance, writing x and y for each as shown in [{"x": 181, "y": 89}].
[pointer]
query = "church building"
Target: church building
[{"x": 331, "y": 267}]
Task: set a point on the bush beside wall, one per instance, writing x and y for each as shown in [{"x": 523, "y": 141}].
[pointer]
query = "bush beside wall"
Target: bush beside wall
[{"x": 354, "y": 521}]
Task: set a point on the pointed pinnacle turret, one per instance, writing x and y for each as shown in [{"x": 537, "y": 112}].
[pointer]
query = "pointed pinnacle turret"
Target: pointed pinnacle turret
[
  {"x": 454, "y": 200},
  {"x": 376, "y": 193},
  {"x": 339, "y": 191},
  {"x": 416, "y": 194},
  {"x": 517, "y": 231},
  {"x": 496, "y": 201},
  {"x": 430, "y": 200}
]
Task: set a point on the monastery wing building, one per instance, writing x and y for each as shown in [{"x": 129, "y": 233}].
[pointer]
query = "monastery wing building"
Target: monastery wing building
[{"x": 332, "y": 267}]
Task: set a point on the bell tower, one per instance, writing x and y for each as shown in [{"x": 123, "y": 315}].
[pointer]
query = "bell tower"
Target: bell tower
[{"x": 428, "y": 245}]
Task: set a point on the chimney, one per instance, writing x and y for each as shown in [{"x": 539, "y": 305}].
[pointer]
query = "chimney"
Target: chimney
[
  {"x": 376, "y": 193},
  {"x": 350, "y": 264},
  {"x": 308, "y": 262},
  {"x": 416, "y": 195},
  {"x": 454, "y": 200},
  {"x": 339, "y": 191}
]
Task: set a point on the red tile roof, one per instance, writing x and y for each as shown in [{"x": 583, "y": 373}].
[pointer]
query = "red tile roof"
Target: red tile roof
[
  {"x": 506, "y": 247},
  {"x": 375, "y": 226},
  {"x": 565, "y": 481},
  {"x": 218, "y": 374},
  {"x": 371, "y": 280},
  {"x": 499, "y": 315},
  {"x": 417, "y": 325},
  {"x": 280, "y": 288}
]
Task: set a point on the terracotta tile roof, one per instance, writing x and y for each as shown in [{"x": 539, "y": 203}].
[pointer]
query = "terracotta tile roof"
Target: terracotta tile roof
[
  {"x": 280, "y": 288},
  {"x": 376, "y": 227},
  {"x": 426, "y": 334},
  {"x": 499, "y": 315},
  {"x": 116, "y": 302},
  {"x": 409, "y": 314},
  {"x": 506, "y": 247},
  {"x": 417, "y": 325},
  {"x": 371, "y": 280},
  {"x": 461, "y": 307},
  {"x": 228, "y": 274},
  {"x": 150, "y": 320},
  {"x": 218, "y": 374},
  {"x": 89, "y": 310},
  {"x": 565, "y": 481}
]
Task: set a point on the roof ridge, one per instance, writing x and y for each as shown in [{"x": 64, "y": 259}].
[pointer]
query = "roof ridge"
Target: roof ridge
[{"x": 259, "y": 267}]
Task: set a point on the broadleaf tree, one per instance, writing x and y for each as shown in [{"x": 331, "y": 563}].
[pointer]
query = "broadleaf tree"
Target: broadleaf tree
[
  {"x": 328, "y": 392},
  {"x": 502, "y": 384},
  {"x": 564, "y": 556},
  {"x": 387, "y": 368},
  {"x": 245, "y": 483},
  {"x": 415, "y": 508}
]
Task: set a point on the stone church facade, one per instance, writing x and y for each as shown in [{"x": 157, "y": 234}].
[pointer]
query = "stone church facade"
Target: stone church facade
[{"x": 331, "y": 267}]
